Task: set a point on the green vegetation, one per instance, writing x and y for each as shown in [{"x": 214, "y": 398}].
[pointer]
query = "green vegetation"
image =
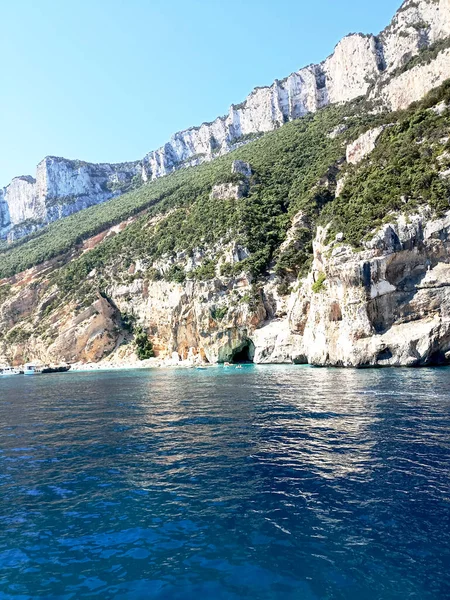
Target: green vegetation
[
  {"x": 319, "y": 284},
  {"x": 5, "y": 291},
  {"x": 18, "y": 336},
  {"x": 226, "y": 269},
  {"x": 128, "y": 322},
  {"x": 248, "y": 137},
  {"x": 144, "y": 347},
  {"x": 252, "y": 298},
  {"x": 206, "y": 271},
  {"x": 425, "y": 56},
  {"x": 294, "y": 171},
  {"x": 176, "y": 273},
  {"x": 297, "y": 256},
  {"x": 400, "y": 175},
  {"x": 219, "y": 313},
  {"x": 124, "y": 186},
  {"x": 284, "y": 289}
]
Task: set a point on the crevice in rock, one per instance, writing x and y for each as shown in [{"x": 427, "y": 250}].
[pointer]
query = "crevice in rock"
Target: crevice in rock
[
  {"x": 379, "y": 49},
  {"x": 321, "y": 80}
]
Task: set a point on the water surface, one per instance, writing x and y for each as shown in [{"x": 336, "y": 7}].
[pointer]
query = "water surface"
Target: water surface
[{"x": 261, "y": 483}]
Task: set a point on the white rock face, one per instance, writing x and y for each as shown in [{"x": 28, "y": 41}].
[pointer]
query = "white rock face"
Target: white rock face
[
  {"x": 356, "y": 60},
  {"x": 5, "y": 221},
  {"x": 357, "y": 63},
  {"x": 360, "y": 65},
  {"x": 412, "y": 85},
  {"x": 26, "y": 204},
  {"x": 416, "y": 25},
  {"x": 234, "y": 190},
  {"x": 229, "y": 191},
  {"x": 61, "y": 187},
  {"x": 386, "y": 306},
  {"x": 363, "y": 146},
  {"x": 275, "y": 343},
  {"x": 340, "y": 186}
]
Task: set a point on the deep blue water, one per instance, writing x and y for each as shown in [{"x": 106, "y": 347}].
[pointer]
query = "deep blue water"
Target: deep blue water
[{"x": 274, "y": 482}]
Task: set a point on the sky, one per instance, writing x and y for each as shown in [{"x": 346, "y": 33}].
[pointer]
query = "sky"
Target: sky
[{"x": 110, "y": 80}]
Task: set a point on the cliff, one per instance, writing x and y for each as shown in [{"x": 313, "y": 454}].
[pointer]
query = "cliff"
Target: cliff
[
  {"x": 388, "y": 305},
  {"x": 375, "y": 66},
  {"x": 385, "y": 306},
  {"x": 357, "y": 278},
  {"x": 326, "y": 241},
  {"x": 61, "y": 187},
  {"x": 357, "y": 63}
]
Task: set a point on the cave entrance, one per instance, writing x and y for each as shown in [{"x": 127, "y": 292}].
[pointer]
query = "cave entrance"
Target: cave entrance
[
  {"x": 438, "y": 359},
  {"x": 244, "y": 354}
]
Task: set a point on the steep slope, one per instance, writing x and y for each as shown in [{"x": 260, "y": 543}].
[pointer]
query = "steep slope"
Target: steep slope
[
  {"x": 282, "y": 251},
  {"x": 61, "y": 188},
  {"x": 357, "y": 62},
  {"x": 378, "y": 66}
]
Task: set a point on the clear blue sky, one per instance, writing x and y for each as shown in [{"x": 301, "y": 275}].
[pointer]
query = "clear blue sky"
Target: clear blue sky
[{"x": 110, "y": 80}]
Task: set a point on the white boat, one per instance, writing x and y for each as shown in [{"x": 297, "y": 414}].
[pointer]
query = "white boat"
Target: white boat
[
  {"x": 7, "y": 371},
  {"x": 30, "y": 369}
]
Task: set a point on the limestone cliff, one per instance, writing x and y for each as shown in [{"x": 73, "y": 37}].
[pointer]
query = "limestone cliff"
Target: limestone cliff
[
  {"x": 357, "y": 63},
  {"x": 61, "y": 187},
  {"x": 327, "y": 242},
  {"x": 397, "y": 93},
  {"x": 360, "y": 65},
  {"x": 387, "y": 305}
]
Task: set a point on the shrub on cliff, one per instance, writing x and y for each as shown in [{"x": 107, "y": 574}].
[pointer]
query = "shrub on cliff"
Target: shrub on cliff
[
  {"x": 294, "y": 170},
  {"x": 176, "y": 274},
  {"x": 206, "y": 271},
  {"x": 400, "y": 175},
  {"x": 144, "y": 347},
  {"x": 319, "y": 284}
]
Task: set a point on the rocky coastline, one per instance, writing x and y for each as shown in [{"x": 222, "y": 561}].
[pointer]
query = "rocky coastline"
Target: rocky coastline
[{"x": 372, "y": 294}]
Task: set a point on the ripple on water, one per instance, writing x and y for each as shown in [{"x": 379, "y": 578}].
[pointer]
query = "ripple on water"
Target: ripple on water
[{"x": 276, "y": 482}]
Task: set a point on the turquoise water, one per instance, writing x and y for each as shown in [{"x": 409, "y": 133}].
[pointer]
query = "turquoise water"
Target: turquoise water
[{"x": 275, "y": 482}]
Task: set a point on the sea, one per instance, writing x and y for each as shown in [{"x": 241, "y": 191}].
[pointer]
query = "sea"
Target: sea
[{"x": 264, "y": 482}]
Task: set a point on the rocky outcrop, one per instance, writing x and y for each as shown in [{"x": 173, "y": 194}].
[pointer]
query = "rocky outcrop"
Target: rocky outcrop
[
  {"x": 69, "y": 336},
  {"x": 61, "y": 187},
  {"x": 416, "y": 25},
  {"x": 88, "y": 336},
  {"x": 234, "y": 190},
  {"x": 360, "y": 65},
  {"x": 397, "y": 93},
  {"x": 388, "y": 305},
  {"x": 239, "y": 167},
  {"x": 229, "y": 191},
  {"x": 363, "y": 145}
]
